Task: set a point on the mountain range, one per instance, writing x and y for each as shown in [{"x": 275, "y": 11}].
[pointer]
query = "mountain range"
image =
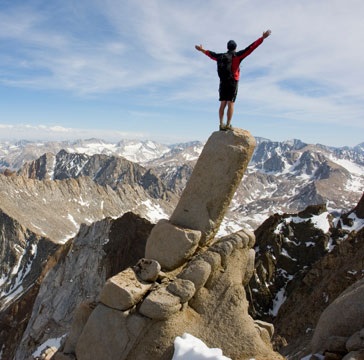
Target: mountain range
[
  {"x": 282, "y": 176},
  {"x": 53, "y": 192}
]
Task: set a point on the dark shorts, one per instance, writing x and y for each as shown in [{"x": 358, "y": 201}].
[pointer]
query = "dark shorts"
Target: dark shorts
[{"x": 228, "y": 90}]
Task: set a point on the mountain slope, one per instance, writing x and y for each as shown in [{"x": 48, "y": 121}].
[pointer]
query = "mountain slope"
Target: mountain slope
[
  {"x": 75, "y": 273},
  {"x": 56, "y": 209},
  {"x": 303, "y": 262},
  {"x": 282, "y": 177},
  {"x": 105, "y": 170},
  {"x": 13, "y": 155}
]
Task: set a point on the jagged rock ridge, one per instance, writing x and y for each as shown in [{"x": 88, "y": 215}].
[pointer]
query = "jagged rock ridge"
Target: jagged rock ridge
[
  {"x": 57, "y": 208},
  {"x": 113, "y": 171},
  {"x": 304, "y": 261}
]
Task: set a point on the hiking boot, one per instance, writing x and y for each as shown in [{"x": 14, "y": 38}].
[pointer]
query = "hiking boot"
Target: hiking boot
[
  {"x": 229, "y": 127},
  {"x": 222, "y": 128}
]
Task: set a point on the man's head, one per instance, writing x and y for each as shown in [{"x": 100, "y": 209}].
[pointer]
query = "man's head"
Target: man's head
[{"x": 231, "y": 45}]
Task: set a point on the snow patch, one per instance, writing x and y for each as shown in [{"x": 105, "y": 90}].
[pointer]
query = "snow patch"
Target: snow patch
[
  {"x": 285, "y": 253},
  {"x": 154, "y": 211},
  {"x": 330, "y": 245},
  {"x": 278, "y": 301},
  {"x": 17, "y": 287},
  {"x": 321, "y": 222},
  {"x": 191, "y": 348},
  {"x": 1, "y": 352},
  {"x": 349, "y": 165},
  {"x": 83, "y": 203},
  {"x": 355, "y": 184},
  {"x": 228, "y": 227}
]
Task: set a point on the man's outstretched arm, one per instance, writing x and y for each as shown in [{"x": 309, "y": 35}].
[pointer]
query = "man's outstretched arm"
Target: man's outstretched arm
[
  {"x": 208, "y": 53},
  {"x": 200, "y": 48},
  {"x": 248, "y": 50},
  {"x": 266, "y": 34}
]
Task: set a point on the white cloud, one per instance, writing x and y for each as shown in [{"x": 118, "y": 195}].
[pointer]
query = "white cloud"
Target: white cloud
[
  {"x": 309, "y": 70},
  {"x": 56, "y": 132}
]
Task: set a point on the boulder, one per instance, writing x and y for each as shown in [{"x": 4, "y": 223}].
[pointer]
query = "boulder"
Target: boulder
[
  {"x": 336, "y": 344},
  {"x": 184, "y": 289},
  {"x": 108, "y": 334},
  {"x": 80, "y": 318},
  {"x": 160, "y": 304},
  {"x": 265, "y": 325},
  {"x": 198, "y": 272},
  {"x": 343, "y": 317},
  {"x": 356, "y": 341},
  {"x": 147, "y": 270},
  {"x": 123, "y": 290},
  {"x": 171, "y": 245},
  {"x": 213, "y": 182},
  {"x": 354, "y": 355}
]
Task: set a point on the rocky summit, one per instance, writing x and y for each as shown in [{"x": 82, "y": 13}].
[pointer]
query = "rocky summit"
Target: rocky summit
[
  {"x": 143, "y": 308},
  {"x": 203, "y": 204}
]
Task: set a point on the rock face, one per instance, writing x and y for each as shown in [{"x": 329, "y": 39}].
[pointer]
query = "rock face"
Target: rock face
[
  {"x": 171, "y": 245},
  {"x": 23, "y": 254},
  {"x": 138, "y": 318},
  {"x": 287, "y": 245},
  {"x": 205, "y": 298},
  {"x": 76, "y": 274},
  {"x": 303, "y": 263},
  {"x": 342, "y": 322},
  {"x": 103, "y": 169},
  {"x": 321, "y": 285},
  {"x": 36, "y": 204},
  {"x": 205, "y": 199},
  {"x": 359, "y": 209},
  {"x": 214, "y": 180}
]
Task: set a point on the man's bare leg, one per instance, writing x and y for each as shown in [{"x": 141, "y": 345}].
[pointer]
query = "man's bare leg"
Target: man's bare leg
[
  {"x": 221, "y": 112},
  {"x": 230, "y": 112}
]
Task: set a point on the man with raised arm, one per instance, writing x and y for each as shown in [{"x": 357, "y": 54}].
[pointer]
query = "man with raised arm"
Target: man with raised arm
[{"x": 228, "y": 68}]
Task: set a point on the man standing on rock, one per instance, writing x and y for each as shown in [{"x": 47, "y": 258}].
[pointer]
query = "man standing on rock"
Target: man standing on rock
[{"x": 228, "y": 68}]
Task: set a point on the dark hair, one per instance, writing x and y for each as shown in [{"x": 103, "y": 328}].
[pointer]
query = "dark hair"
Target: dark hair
[{"x": 231, "y": 45}]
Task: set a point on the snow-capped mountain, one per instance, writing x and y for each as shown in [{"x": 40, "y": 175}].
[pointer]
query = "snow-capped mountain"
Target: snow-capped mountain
[
  {"x": 14, "y": 154},
  {"x": 282, "y": 176}
]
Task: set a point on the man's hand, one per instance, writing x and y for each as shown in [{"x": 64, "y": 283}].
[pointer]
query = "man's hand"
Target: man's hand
[
  {"x": 266, "y": 34},
  {"x": 199, "y": 48}
]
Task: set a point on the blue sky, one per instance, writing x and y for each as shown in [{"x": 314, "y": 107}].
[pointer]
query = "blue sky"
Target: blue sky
[{"x": 117, "y": 69}]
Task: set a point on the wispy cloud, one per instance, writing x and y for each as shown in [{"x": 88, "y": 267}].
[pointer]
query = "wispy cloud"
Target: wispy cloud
[
  {"x": 56, "y": 132},
  {"x": 309, "y": 70}
]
